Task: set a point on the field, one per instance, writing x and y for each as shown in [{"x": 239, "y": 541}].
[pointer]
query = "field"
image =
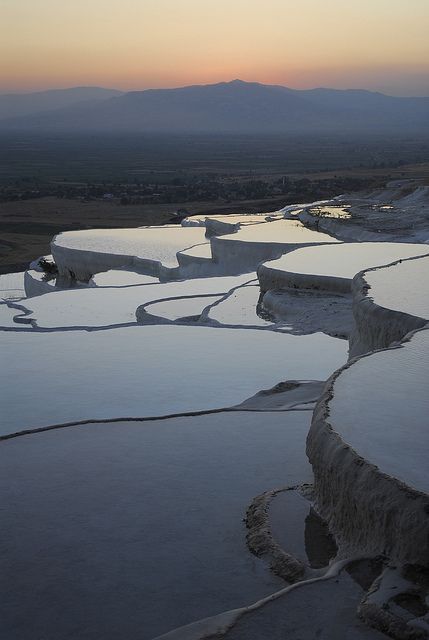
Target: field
[{"x": 145, "y": 158}]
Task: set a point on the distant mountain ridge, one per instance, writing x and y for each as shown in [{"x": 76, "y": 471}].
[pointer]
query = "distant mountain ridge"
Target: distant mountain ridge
[
  {"x": 236, "y": 106},
  {"x": 14, "y": 105}
]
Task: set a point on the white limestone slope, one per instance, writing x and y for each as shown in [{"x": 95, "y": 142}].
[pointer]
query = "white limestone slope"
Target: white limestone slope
[
  {"x": 83, "y": 357},
  {"x": 105, "y": 306},
  {"x": 369, "y": 445},
  {"x": 218, "y": 225},
  {"x": 85, "y": 253},
  {"x": 142, "y": 371},
  {"x": 236, "y": 220},
  {"x": 176, "y": 252},
  {"x": 251, "y": 245},
  {"x": 38, "y": 283},
  {"x": 343, "y": 230},
  {"x": 397, "y": 213},
  {"x": 331, "y": 267},
  {"x": 369, "y": 439},
  {"x": 389, "y": 302}
]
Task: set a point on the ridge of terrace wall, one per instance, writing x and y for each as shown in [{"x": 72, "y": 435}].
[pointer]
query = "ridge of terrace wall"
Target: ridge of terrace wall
[
  {"x": 368, "y": 510},
  {"x": 272, "y": 278},
  {"x": 239, "y": 254},
  {"x": 83, "y": 264},
  {"x": 377, "y": 327}
]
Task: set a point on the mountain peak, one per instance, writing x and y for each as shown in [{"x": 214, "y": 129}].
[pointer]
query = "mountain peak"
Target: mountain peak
[{"x": 235, "y": 106}]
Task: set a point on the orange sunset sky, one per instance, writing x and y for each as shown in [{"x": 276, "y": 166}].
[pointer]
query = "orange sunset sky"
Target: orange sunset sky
[{"x": 135, "y": 44}]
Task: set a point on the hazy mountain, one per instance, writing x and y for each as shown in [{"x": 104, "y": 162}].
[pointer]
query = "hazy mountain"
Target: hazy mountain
[
  {"x": 237, "y": 107},
  {"x": 14, "y": 105}
]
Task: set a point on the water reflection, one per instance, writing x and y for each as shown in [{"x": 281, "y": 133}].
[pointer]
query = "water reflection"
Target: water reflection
[{"x": 320, "y": 545}]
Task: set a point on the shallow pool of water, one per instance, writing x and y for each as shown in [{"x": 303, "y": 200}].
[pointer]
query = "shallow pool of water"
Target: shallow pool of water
[
  {"x": 149, "y": 370},
  {"x": 402, "y": 287},
  {"x": 380, "y": 407},
  {"x": 130, "y": 530}
]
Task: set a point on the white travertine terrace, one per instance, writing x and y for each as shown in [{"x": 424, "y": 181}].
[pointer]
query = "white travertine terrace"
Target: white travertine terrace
[
  {"x": 401, "y": 375},
  {"x": 121, "y": 278},
  {"x": 115, "y": 305},
  {"x": 167, "y": 252},
  {"x": 220, "y": 225},
  {"x": 342, "y": 229},
  {"x": 216, "y": 225},
  {"x": 37, "y": 283},
  {"x": 239, "y": 309},
  {"x": 369, "y": 445},
  {"x": 281, "y": 231},
  {"x": 397, "y": 213},
  {"x": 81, "y": 356},
  {"x": 331, "y": 267},
  {"x": 390, "y": 286},
  {"x": 389, "y": 302},
  {"x": 85, "y": 253},
  {"x": 369, "y": 439},
  {"x": 253, "y": 244},
  {"x": 241, "y": 219}
]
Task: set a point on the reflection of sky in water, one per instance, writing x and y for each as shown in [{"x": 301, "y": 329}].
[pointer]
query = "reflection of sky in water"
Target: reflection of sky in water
[
  {"x": 305, "y": 535},
  {"x": 154, "y": 243},
  {"x": 345, "y": 260},
  {"x": 150, "y": 370},
  {"x": 185, "y": 307},
  {"x": 139, "y": 524},
  {"x": 279, "y": 231},
  {"x": 243, "y": 219},
  {"x": 403, "y": 287},
  {"x": 104, "y": 306},
  {"x": 380, "y": 407},
  {"x": 241, "y": 308}
]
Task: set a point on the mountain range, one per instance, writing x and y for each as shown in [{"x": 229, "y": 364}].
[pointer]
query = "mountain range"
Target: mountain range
[
  {"x": 225, "y": 107},
  {"x": 17, "y": 105}
]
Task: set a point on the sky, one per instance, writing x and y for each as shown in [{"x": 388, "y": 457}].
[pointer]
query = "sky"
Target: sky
[{"x": 380, "y": 45}]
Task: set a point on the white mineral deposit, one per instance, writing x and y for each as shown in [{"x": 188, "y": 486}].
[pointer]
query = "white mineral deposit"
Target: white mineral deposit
[{"x": 161, "y": 387}]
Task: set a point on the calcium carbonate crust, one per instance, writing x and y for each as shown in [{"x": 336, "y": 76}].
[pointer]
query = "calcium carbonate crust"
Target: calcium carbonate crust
[
  {"x": 366, "y": 509},
  {"x": 272, "y": 278},
  {"x": 377, "y": 327}
]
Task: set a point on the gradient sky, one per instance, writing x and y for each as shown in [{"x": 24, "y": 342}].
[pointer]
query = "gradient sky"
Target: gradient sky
[{"x": 136, "y": 44}]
